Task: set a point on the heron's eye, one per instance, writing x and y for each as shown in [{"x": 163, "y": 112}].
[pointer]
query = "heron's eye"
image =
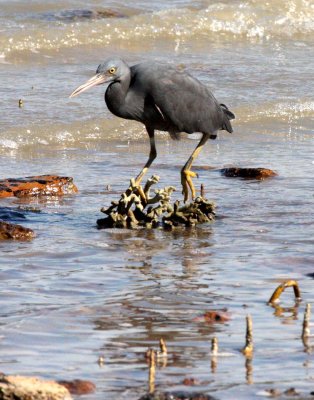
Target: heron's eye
[{"x": 112, "y": 70}]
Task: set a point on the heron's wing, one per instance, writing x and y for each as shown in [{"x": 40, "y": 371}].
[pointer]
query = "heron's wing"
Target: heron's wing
[{"x": 186, "y": 102}]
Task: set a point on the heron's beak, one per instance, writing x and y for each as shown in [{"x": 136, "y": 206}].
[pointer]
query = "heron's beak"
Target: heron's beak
[{"x": 98, "y": 79}]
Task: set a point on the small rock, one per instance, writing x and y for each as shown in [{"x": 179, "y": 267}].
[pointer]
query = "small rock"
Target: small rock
[
  {"x": 82, "y": 14},
  {"x": 213, "y": 316},
  {"x": 78, "y": 386},
  {"x": 31, "y": 388},
  {"x": 101, "y": 360},
  {"x": 176, "y": 396},
  {"x": 291, "y": 392},
  {"x": 273, "y": 392},
  {"x": 108, "y": 14},
  {"x": 248, "y": 173},
  {"x": 42, "y": 185},
  {"x": 14, "y": 231},
  {"x": 190, "y": 381}
]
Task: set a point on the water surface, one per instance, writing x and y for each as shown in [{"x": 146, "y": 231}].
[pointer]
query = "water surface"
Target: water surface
[{"x": 75, "y": 293}]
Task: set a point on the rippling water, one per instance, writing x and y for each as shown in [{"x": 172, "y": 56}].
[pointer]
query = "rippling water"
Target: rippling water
[{"x": 76, "y": 293}]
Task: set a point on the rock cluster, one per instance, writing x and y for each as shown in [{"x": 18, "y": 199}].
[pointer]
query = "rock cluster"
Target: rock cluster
[
  {"x": 137, "y": 208},
  {"x": 31, "y": 186},
  {"x": 47, "y": 185}
]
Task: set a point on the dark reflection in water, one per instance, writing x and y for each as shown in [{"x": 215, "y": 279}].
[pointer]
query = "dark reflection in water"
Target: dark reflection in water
[
  {"x": 287, "y": 314},
  {"x": 189, "y": 247}
]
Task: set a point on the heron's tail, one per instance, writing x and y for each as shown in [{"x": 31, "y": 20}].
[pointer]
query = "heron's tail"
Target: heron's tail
[{"x": 228, "y": 115}]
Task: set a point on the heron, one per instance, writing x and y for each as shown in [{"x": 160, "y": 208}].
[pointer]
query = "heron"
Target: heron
[{"x": 164, "y": 98}]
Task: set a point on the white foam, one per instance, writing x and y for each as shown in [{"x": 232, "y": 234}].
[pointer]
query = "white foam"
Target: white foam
[
  {"x": 278, "y": 19},
  {"x": 8, "y": 144}
]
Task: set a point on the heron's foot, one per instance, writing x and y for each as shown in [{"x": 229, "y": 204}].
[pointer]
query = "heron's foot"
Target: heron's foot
[
  {"x": 140, "y": 176},
  {"x": 187, "y": 184}
]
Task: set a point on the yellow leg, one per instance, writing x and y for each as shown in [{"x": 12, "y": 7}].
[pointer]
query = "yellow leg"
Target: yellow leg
[
  {"x": 187, "y": 174},
  {"x": 151, "y": 158}
]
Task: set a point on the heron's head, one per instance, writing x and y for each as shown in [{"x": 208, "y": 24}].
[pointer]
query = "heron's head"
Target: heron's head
[{"x": 111, "y": 70}]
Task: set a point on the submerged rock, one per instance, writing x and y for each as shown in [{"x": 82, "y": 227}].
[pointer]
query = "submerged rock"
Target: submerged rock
[
  {"x": 82, "y": 14},
  {"x": 14, "y": 231},
  {"x": 31, "y": 388},
  {"x": 137, "y": 208},
  {"x": 42, "y": 185},
  {"x": 176, "y": 396},
  {"x": 9, "y": 214},
  {"x": 288, "y": 393},
  {"x": 248, "y": 173},
  {"x": 78, "y": 386},
  {"x": 190, "y": 381},
  {"x": 214, "y": 316}
]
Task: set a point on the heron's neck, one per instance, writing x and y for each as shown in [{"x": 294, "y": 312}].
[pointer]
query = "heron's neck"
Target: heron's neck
[{"x": 115, "y": 97}]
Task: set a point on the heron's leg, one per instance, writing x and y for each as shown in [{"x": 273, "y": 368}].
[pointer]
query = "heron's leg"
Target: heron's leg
[
  {"x": 151, "y": 158},
  {"x": 187, "y": 174}
]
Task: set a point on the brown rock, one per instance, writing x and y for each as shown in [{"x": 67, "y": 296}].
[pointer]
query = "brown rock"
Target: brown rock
[
  {"x": 176, "y": 396},
  {"x": 190, "y": 381},
  {"x": 109, "y": 14},
  {"x": 14, "y": 231},
  {"x": 42, "y": 185},
  {"x": 273, "y": 392},
  {"x": 77, "y": 386},
  {"x": 84, "y": 14},
  {"x": 213, "y": 316},
  {"x": 31, "y": 388},
  {"x": 291, "y": 392},
  {"x": 248, "y": 173}
]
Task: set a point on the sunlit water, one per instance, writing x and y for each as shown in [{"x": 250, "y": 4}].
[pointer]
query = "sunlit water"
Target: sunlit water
[{"x": 76, "y": 293}]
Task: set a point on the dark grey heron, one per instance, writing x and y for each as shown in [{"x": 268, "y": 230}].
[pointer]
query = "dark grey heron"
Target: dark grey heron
[{"x": 163, "y": 98}]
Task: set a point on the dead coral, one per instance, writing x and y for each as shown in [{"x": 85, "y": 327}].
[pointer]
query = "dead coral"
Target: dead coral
[
  {"x": 31, "y": 388},
  {"x": 137, "y": 208}
]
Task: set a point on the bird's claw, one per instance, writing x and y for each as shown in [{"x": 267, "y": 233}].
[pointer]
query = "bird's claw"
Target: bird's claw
[
  {"x": 186, "y": 181},
  {"x": 191, "y": 174}
]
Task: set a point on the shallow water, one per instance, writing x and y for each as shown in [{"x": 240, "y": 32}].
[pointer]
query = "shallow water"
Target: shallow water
[{"x": 75, "y": 293}]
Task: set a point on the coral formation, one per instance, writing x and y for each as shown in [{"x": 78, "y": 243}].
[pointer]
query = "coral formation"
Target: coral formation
[{"x": 137, "y": 208}]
